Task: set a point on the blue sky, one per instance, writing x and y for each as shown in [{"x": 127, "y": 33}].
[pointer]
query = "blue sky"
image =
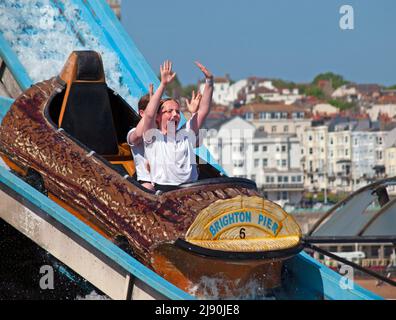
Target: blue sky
[{"x": 288, "y": 39}]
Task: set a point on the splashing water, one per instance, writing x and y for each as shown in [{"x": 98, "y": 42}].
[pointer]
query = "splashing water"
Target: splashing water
[
  {"x": 211, "y": 288},
  {"x": 43, "y": 37},
  {"x": 93, "y": 296}
]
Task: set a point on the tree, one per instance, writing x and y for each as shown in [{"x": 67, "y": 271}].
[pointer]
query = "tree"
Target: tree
[
  {"x": 282, "y": 84},
  {"x": 336, "y": 79},
  {"x": 187, "y": 90},
  {"x": 314, "y": 91},
  {"x": 342, "y": 105},
  {"x": 174, "y": 89}
]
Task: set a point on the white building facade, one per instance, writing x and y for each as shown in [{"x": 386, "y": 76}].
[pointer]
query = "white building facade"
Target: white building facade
[{"x": 272, "y": 161}]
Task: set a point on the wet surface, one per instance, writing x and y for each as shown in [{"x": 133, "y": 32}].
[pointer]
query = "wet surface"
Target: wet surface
[{"x": 20, "y": 277}]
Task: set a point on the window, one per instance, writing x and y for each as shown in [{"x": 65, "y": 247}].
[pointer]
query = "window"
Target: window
[
  {"x": 346, "y": 139},
  {"x": 331, "y": 141},
  {"x": 279, "y": 179},
  {"x": 286, "y": 179},
  {"x": 262, "y": 115},
  {"x": 268, "y": 179},
  {"x": 298, "y": 178},
  {"x": 266, "y": 195},
  {"x": 248, "y": 116},
  {"x": 286, "y": 129},
  {"x": 293, "y": 179},
  {"x": 253, "y": 177},
  {"x": 264, "y": 148},
  {"x": 310, "y": 151},
  {"x": 283, "y": 148},
  {"x": 346, "y": 152},
  {"x": 273, "y": 129},
  {"x": 238, "y": 164},
  {"x": 310, "y": 138},
  {"x": 284, "y": 195},
  {"x": 284, "y": 163},
  {"x": 256, "y": 163},
  {"x": 256, "y": 148},
  {"x": 265, "y": 163}
]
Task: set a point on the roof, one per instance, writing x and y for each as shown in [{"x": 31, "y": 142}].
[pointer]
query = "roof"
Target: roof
[
  {"x": 367, "y": 89},
  {"x": 264, "y": 90},
  {"x": 271, "y": 107},
  {"x": 386, "y": 100},
  {"x": 211, "y": 123},
  {"x": 367, "y": 212},
  {"x": 221, "y": 80}
]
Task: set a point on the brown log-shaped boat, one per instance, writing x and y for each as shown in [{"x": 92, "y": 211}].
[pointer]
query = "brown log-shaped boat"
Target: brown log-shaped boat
[{"x": 67, "y": 137}]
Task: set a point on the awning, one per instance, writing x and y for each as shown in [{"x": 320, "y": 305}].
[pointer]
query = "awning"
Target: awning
[{"x": 367, "y": 215}]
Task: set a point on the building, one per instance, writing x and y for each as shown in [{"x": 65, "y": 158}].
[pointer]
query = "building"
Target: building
[
  {"x": 376, "y": 110},
  {"x": 273, "y": 161},
  {"x": 315, "y": 157},
  {"x": 276, "y": 118},
  {"x": 325, "y": 109},
  {"x": 390, "y": 165},
  {"x": 357, "y": 92},
  {"x": 225, "y": 92}
]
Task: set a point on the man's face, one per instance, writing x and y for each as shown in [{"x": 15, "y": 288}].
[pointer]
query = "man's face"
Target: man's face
[{"x": 170, "y": 111}]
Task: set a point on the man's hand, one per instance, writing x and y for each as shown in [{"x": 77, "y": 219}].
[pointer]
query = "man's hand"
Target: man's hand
[
  {"x": 205, "y": 71},
  {"x": 193, "y": 105},
  {"x": 167, "y": 75}
]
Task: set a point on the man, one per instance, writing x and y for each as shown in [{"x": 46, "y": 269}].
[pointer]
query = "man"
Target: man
[{"x": 170, "y": 154}]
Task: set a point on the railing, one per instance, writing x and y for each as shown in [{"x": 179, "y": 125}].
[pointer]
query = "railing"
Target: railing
[{"x": 283, "y": 186}]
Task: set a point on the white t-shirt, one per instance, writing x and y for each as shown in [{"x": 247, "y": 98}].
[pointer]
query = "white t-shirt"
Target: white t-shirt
[
  {"x": 171, "y": 157},
  {"x": 139, "y": 159}
]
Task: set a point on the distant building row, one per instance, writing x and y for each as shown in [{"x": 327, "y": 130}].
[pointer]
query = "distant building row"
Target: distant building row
[{"x": 285, "y": 152}]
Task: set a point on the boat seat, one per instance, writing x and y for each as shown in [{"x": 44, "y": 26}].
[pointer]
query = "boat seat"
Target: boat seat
[
  {"x": 124, "y": 158},
  {"x": 86, "y": 112}
]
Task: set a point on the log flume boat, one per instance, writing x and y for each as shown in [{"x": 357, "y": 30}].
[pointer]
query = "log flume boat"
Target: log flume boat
[{"x": 66, "y": 136}]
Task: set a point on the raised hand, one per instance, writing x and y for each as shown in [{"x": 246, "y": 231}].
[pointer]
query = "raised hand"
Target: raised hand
[
  {"x": 193, "y": 104},
  {"x": 204, "y": 70},
  {"x": 167, "y": 75}
]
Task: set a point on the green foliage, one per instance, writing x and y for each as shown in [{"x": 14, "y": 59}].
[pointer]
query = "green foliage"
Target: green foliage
[
  {"x": 187, "y": 90},
  {"x": 336, "y": 79},
  {"x": 392, "y": 87},
  {"x": 281, "y": 84},
  {"x": 314, "y": 91},
  {"x": 342, "y": 105},
  {"x": 258, "y": 99},
  {"x": 174, "y": 89}
]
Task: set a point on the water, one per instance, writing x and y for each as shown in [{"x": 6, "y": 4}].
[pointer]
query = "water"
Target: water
[
  {"x": 212, "y": 288},
  {"x": 43, "y": 38},
  {"x": 21, "y": 260}
]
